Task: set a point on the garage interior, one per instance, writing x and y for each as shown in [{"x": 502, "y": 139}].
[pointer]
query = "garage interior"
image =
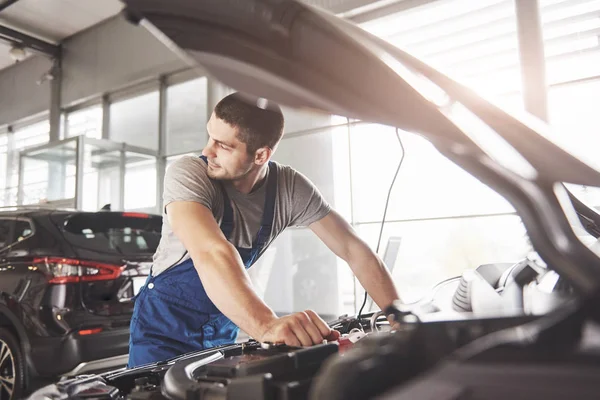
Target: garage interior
[{"x": 93, "y": 110}]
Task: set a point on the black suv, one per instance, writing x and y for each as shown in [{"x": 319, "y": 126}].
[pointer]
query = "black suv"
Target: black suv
[{"x": 67, "y": 280}]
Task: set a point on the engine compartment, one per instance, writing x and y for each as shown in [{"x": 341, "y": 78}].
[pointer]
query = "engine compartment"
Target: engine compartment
[
  {"x": 238, "y": 371},
  {"x": 368, "y": 359}
]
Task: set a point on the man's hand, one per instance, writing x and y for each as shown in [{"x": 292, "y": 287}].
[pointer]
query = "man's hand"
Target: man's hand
[{"x": 299, "y": 329}]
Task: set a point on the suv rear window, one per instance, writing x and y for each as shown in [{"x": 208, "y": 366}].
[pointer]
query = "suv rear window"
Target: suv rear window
[{"x": 114, "y": 232}]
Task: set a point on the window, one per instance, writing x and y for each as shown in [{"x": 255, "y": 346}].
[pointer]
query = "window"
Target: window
[
  {"x": 428, "y": 184},
  {"x": 433, "y": 250},
  {"x": 296, "y": 120},
  {"x": 87, "y": 122},
  {"x": 35, "y": 182},
  {"x": 572, "y": 50},
  {"x": 23, "y": 230},
  {"x": 114, "y": 233},
  {"x": 298, "y": 272},
  {"x": 186, "y": 116},
  {"x": 49, "y": 173},
  {"x": 135, "y": 121},
  {"x": 571, "y": 40},
  {"x": 472, "y": 41},
  {"x": 311, "y": 155},
  {"x": 140, "y": 182},
  {"x": 5, "y": 225}
]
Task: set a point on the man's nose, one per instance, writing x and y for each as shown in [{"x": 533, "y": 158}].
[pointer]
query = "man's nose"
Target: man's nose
[{"x": 208, "y": 150}]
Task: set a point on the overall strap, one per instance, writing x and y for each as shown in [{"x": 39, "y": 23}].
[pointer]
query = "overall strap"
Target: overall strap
[{"x": 269, "y": 210}]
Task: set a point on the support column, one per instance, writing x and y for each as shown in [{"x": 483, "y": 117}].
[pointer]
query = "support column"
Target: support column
[
  {"x": 79, "y": 168},
  {"x": 215, "y": 91},
  {"x": 57, "y": 170},
  {"x": 531, "y": 54},
  {"x": 161, "y": 160},
  {"x": 122, "y": 165},
  {"x": 105, "y": 117},
  {"x": 55, "y": 100}
]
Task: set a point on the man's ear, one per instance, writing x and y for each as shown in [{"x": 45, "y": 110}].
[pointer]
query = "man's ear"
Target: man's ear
[{"x": 262, "y": 155}]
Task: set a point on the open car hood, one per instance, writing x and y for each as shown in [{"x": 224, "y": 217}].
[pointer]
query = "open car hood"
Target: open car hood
[{"x": 304, "y": 57}]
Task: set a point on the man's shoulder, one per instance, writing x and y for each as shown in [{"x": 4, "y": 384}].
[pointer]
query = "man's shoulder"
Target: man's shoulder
[
  {"x": 188, "y": 164},
  {"x": 189, "y": 170},
  {"x": 189, "y": 160},
  {"x": 285, "y": 171}
]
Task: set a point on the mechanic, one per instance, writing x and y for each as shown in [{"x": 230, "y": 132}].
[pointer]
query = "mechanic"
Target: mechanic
[{"x": 222, "y": 210}]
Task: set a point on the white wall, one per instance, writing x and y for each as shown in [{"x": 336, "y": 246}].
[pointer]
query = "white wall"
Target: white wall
[
  {"x": 20, "y": 95},
  {"x": 112, "y": 55}
]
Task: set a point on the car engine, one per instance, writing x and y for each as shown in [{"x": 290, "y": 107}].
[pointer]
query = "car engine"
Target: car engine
[
  {"x": 238, "y": 371},
  {"x": 368, "y": 359}
]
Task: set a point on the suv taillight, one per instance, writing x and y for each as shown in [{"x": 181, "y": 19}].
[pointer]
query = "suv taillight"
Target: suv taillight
[{"x": 66, "y": 270}]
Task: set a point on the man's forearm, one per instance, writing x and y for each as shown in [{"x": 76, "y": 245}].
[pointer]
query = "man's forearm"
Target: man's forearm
[
  {"x": 373, "y": 275},
  {"x": 229, "y": 287}
]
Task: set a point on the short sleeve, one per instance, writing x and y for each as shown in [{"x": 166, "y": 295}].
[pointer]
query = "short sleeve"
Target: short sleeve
[
  {"x": 187, "y": 180},
  {"x": 308, "y": 205}
]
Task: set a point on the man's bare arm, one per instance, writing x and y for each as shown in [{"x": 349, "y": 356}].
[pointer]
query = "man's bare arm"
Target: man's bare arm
[
  {"x": 370, "y": 270},
  {"x": 228, "y": 285}
]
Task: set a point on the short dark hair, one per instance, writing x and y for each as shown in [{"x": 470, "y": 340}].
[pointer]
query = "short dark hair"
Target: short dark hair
[{"x": 259, "y": 121}]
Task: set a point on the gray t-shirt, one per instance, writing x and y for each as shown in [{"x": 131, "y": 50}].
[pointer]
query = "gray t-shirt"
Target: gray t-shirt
[{"x": 298, "y": 203}]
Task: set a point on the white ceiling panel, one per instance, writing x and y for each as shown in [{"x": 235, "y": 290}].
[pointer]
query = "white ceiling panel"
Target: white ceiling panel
[{"x": 54, "y": 20}]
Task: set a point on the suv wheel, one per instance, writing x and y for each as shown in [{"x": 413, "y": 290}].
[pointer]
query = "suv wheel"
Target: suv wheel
[{"x": 12, "y": 367}]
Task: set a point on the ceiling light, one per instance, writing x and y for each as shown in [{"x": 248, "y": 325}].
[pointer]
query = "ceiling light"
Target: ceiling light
[{"x": 17, "y": 53}]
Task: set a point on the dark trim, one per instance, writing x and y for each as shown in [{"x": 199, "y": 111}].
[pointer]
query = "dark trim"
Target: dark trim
[
  {"x": 7, "y": 3},
  {"x": 29, "y": 42}
]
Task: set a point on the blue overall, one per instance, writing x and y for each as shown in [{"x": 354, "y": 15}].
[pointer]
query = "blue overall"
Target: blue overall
[{"x": 173, "y": 314}]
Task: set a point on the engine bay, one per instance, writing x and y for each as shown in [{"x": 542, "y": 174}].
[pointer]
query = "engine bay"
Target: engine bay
[{"x": 369, "y": 358}]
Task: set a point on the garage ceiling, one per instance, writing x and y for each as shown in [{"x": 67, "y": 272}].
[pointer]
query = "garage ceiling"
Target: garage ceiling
[{"x": 53, "y": 20}]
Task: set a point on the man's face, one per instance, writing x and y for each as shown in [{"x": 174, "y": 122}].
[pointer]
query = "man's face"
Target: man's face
[{"x": 227, "y": 156}]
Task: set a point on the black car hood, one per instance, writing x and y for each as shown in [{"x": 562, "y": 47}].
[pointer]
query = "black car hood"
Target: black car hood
[{"x": 303, "y": 57}]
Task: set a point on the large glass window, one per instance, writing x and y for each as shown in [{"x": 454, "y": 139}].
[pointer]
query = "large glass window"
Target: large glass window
[
  {"x": 304, "y": 120},
  {"x": 298, "y": 272},
  {"x": 472, "y": 41},
  {"x": 49, "y": 174},
  {"x": 87, "y": 122},
  {"x": 135, "y": 121},
  {"x": 428, "y": 184},
  {"x": 571, "y": 39},
  {"x": 430, "y": 251},
  {"x": 37, "y": 172},
  {"x": 140, "y": 182},
  {"x": 101, "y": 178},
  {"x": 571, "y": 45},
  {"x": 186, "y": 116}
]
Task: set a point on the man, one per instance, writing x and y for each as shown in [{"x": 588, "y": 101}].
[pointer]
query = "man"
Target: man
[{"x": 222, "y": 210}]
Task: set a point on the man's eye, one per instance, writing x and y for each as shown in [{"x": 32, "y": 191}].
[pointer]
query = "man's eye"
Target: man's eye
[{"x": 223, "y": 146}]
